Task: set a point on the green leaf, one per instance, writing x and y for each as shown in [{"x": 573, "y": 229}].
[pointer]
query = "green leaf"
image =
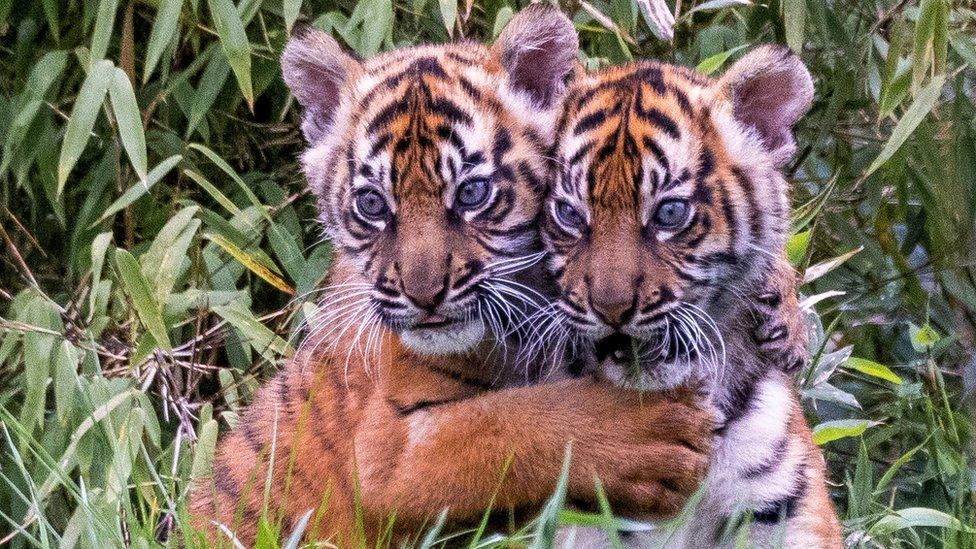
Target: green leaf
[
  {"x": 502, "y": 18},
  {"x": 82, "y": 120},
  {"x": 830, "y": 431},
  {"x": 814, "y": 272},
  {"x": 715, "y": 62},
  {"x": 102, "y": 34},
  {"x": 251, "y": 263},
  {"x": 233, "y": 40},
  {"x": 45, "y": 73},
  {"x": 794, "y": 19},
  {"x": 713, "y": 5},
  {"x": 449, "y": 10},
  {"x": 163, "y": 31},
  {"x": 227, "y": 169},
  {"x": 796, "y": 247},
  {"x": 290, "y": 11},
  {"x": 126, "y": 110},
  {"x": 261, "y": 339},
  {"x": 162, "y": 263},
  {"x": 964, "y": 46},
  {"x": 137, "y": 288},
  {"x": 915, "y": 517},
  {"x": 140, "y": 188},
  {"x": 376, "y": 26},
  {"x": 211, "y": 82},
  {"x": 873, "y": 369},
  {"x": 913, "y": 116},
  {"x": 214, "y": 192},
  {"x": 923, "y": 338}
]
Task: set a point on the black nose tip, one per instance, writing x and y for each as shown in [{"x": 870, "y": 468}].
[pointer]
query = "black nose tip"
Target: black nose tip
[
  {"x": 614, "y": 313},
  {"x": 427, "y": 296}
]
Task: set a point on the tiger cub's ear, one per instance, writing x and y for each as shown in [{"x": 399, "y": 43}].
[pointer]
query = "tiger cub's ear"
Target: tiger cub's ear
[
  {"x": 538, "y": 49},
  {"x": 316, "y": 71},
  {"x": 770, "y": 90}
]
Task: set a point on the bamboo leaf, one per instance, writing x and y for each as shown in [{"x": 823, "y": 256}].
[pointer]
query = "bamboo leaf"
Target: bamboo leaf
[
  {"x": 104, "y": 22},
  {"x": 126, "y": 111},
  {"x": 82, "y": 120},
  {"x": 794, "y": 19},
  {"x": 227, "y": 169},
  {"x": 252, "y": 264},
  {"x": 830, "y": 431},
  {"x": 873, "y": 369},
  {"x": 234, "y": 41},
  {"x": 145, "y": 305},
  {"x": 163, "y": 32},
  {"x": 713, "y": 5},
  {"x": 924, "y": 102},
  {"x": 290, "y": 10},
  {"x": 140, "y": 188},
  {"x": 449, "y": 9}
]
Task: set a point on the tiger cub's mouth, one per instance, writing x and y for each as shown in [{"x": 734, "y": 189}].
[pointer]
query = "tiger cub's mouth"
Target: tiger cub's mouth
[
  {"x": 440, "y": 335},
  {"x": 663, "y": 360}
]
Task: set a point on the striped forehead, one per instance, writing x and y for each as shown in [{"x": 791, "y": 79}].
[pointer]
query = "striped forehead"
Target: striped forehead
[
  {"x": 427, "y": 107},
  {"x": 628, "y": 127}
]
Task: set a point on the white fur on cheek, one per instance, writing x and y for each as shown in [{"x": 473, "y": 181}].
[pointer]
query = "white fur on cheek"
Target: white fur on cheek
[{"x": 444, "y": 342}]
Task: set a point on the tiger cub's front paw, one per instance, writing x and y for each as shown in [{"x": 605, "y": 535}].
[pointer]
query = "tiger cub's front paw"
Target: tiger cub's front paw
[{"x": 780, "y": 330}]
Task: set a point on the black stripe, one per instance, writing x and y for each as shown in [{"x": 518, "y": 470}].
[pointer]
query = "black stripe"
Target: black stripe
[
  {"x": 653, "y": 77},
  {"x": 451, "y": 110},
  {"x": 755, "y": 215},
  {"x": 461, "y": 378},
  {"x": 385, "y": 116},
  {"x": 407, "y": 409},
  {"x": 590, "y": 121},
  {"x": 428, "y": 66},
  {"x": 657, "y": 151},
  {"x": 785, "y": 507},
  {"x": 661, "y": 121},
  {"x": 682, "y": 99}
]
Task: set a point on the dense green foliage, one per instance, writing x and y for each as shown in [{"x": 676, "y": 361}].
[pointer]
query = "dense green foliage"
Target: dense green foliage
[{"x": 160, "y": 250}]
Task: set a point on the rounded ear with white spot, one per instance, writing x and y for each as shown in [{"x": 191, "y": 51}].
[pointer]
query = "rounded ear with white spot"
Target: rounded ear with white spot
[
  {"x": 316, "y": 71},
  {"x": 770, "y": 90},
  {"x": 538, "y": 50}
]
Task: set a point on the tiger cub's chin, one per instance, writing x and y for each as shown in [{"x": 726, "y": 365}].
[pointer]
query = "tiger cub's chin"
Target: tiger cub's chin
[
  {"x": 650, "y": 377},
  {"x": 454, "y": 338}
]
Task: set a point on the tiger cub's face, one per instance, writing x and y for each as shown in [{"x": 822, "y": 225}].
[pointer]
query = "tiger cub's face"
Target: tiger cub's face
[
  {"x": 428, "y": 164},
  {"x": 668, "y": 195}
]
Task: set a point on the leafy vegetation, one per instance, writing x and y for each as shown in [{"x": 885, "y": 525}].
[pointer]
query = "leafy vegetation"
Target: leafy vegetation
[{"x": 160, "y": 251}]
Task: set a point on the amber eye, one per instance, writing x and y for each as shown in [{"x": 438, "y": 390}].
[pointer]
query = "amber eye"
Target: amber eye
[
  {"x": 371, "y": 204},
  {"x": 569, "y": 216},
  {"x": 473, "y": 193},
  {"x": 672, "y": 214}
]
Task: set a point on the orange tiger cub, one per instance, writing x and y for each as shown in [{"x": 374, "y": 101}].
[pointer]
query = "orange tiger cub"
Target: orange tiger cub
[
  {"x": 428, "y": 166},
  {"x": 667, "y": 224}
]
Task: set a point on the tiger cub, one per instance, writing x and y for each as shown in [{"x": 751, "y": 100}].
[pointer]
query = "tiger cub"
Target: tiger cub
[
  {"x": 428, "y": 164},
  {"x": 667, "y": 223}
]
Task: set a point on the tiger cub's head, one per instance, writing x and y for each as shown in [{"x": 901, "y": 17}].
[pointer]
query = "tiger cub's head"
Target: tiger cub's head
[
  {"x": 428, "y": 165},
  {"x": 668, "y": 195}
]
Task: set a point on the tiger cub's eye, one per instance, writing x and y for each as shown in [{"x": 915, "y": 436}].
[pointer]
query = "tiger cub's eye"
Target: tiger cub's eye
[
  {"x": 473, "y": 193},
  {"x": 569, "y": 216},
  {"x": 371, "y": 204},
  {"x": 672, "y": 214}
]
